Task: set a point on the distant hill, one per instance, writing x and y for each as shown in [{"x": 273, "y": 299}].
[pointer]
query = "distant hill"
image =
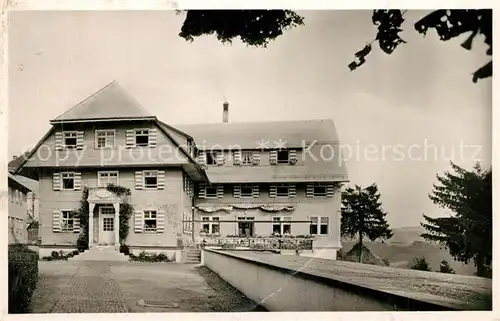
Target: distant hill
[{"x": 405, "y": 245}]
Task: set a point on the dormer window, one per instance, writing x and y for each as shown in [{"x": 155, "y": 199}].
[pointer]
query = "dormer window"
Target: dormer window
[
  {"x": 282, "y": 190},
  {"x": 319, "y": 190},
  {"x": 142, "y": 137},
  {"x": 211, "y": 158},
  {"x": 283, "y": 157},
  {"x": 70, "y": 139}
]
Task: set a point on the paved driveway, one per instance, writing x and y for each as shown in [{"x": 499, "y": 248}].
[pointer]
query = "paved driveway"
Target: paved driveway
[{"x": 93, "y": 286}]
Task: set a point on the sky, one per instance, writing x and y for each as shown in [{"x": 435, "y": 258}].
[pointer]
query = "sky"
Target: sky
[{"x": 401, "y": 118}]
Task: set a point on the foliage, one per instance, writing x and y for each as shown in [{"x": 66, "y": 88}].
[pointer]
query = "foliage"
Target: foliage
[
  {"x": 82, "y": 243},
  {"x": 145, "y": 257},
  {"x": 420, "y": 263},
  {"x": 362, "y": 215},
  {"x": 467, "y": 234},
  {"x": 258, "y": 27},
  {"x": 254, "y": 27},
  {"x": 124, "y": 249},
  {"x": 23, "y": 276},
  {"x": 60, "y": 256},
  {"x": 445, "y": 267}
]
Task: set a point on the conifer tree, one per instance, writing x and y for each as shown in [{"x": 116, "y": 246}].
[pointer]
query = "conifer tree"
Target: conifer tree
[{"x": 362, "y": 215}]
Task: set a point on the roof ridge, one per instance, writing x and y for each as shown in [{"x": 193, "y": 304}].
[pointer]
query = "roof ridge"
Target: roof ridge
[
  {"x": 84, "y": 100},
  {"x": 131, "y": 98},
  {"x": 255, "y": 122}
]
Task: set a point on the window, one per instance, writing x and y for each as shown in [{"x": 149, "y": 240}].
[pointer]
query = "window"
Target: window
[
  {"x": 211, "y": 191},
  {"x": 142, "y": 137},
  {"x": 108, "y": 224},
  {"x": 246, "y": 190},
  {"x": 210, "y": 226},
  {"x": 150, "y": 221},
  {"x": 282, "y": 225},
  {"x": 106, "y": 178},
  {"x": 283, "y": 157},
  {"x": 69, "y": 139},
  {"x": 319, "y": 190},
  {"x": 245, "y": 226},
  {"x": 276, "y": 225},
  {"x": 323, "y": 226},
  {"x": 211, "y": 158},
  {"x": 150, "y": 179},
  {"x": 104, "y": 138},
  {"x": 67, "y": 223},
  {"x": 11, "y": 195},
  {"x": 246, "y": 158},
  {"x": 323, "y": 230},
  {"x": 68, "y": 180},
  {"x": 282, "y": 191}
]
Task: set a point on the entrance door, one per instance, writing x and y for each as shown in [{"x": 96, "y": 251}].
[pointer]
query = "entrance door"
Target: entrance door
[
  {"x": 245, "y": 226},
  {"x": 107, "y": 225}
]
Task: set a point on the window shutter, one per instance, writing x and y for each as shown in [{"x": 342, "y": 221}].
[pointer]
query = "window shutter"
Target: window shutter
[
  {"x": 56, "y": 221},
  {"x": 201, "y": 193},
  {"x": 329, "y": 190},
  {"x": 79, "y": 140},
  {"x": 130, "y": 138},
  {"x": 292, "y": 191},
  {"x": 161, "y": 180},
  {"x": 201, "y": 158},
  {"x": 76, "y": 224},
  {"x": 273, "y": 157},
  {"x": 138, "y": 221},
  {"x": 56, "y": 182},
  {"x": 292, "y": 156},
  {"x": 78, "y": 181},
  {"x": 310, "y": 190},
  {"x": 220, "y": 191},
  {"x": 160, "y": 221},
  {"x": 237, "y": 157},
  {"x": 138, "y": 180},
  {"x": 272, "y": 191},
  {"x": 237, "y": 191},
  {"x": 152, "y": 137},
  {"x": 220, "y": 158},
  {"x": 58, "y": 140},
  {"x": 255, "y": 158},
  {"x": 255, "y": 191}
]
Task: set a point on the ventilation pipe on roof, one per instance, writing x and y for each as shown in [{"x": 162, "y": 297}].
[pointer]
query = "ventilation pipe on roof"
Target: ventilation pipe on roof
[{"x": 225, "y": 112}]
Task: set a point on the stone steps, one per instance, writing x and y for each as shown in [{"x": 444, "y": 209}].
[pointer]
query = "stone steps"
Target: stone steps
[
  {"x": 103, "y": 253},
  {"x": 191, "y": 256}
]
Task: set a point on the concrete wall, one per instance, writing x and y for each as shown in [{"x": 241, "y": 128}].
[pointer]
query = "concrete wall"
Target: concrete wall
[
  {"x": 170, "y": 199},
  {"x": 280, "y": 289}
]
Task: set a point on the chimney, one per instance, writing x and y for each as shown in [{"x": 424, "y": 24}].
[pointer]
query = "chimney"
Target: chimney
[
  {"x": 14, "y": 157},
  {"x": 225, "y": 112}
]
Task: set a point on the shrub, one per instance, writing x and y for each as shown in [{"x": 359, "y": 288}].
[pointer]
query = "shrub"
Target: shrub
[
  {"x": 445, "y": 267},
  {"x": 76, "y": 252},
  {"x": 82, "y": 243},
  {"x": 23, "y": 276},
  {"x": 54, "y": 254},
  {"x": 124, "y": 249},
  {"x": 420, "y": 263}
]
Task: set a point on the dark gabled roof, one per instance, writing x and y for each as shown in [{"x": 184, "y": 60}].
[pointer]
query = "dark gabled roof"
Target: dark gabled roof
[
  {"x": 16, "y": 183},
  {"x": 110, "y": 102},
  {"x": 252, "y": 135}
]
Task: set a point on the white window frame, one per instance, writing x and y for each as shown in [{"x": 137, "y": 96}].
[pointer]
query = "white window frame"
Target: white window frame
[
  {"x": 211, "y": 221},
  {"x": 106, "y": 137},
  {"x": 212, "y": 195},
  {"x": 144, "y": 179},
  {"x": 288, "y": 191},
  {"x": 141, "y": 132},
  {"x": 147, "y": 215},
  {"x": 246, "y": 195},
  {"x": 62, "y": 181},
  {"x": 282, "y": 151},
  {"x": 67, "y": 220},
  {"x": 319, "y": 223},
  {"x": 71, "y": 134},
  {"x": 99, "y": 177},
  {"x": 282, "y": 221},
  {"x": 246, "y": 157},
  {"x": 319, "y": 194}
]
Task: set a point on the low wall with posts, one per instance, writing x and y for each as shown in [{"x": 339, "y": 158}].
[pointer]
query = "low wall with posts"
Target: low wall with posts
[
  {"x": 292, "y": 283},
  {"x": 284, "y": 244}
]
